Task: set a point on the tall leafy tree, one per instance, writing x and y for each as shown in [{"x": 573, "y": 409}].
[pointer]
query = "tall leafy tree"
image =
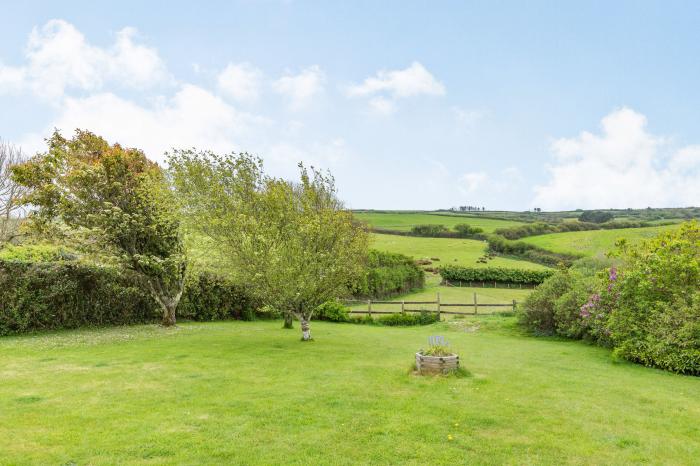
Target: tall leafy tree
[
  {"x": 111, "y": 201},
  {"x": 293, "y": 244}
]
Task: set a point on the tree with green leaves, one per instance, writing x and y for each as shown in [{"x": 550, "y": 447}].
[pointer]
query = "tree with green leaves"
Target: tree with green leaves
[
  {"x": 293, "y": 244},
  {"x": 112, "y": 202}
]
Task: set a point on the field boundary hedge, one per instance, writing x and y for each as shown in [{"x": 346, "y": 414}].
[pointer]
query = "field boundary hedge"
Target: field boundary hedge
[
  {"x": 494, "y": 274},
  {"x": 41, "y": 296}
]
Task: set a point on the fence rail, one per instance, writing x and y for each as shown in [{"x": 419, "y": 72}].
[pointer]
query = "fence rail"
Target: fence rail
[{"x": 439, "y": 306}]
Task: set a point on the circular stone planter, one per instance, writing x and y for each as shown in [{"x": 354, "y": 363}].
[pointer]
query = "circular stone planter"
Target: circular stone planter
[{"x": 436, "y": 364}]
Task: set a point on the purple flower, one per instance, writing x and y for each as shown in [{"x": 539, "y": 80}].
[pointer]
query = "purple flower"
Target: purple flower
[{"x": 613, "y": 274}]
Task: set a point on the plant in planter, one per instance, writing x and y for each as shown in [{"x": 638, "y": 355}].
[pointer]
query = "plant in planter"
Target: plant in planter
[{"x": 438, "y": 358}]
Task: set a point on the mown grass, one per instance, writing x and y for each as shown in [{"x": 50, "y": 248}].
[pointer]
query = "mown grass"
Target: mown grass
[
  {"x": 448, "y": 250},
  {"x": 404, "y": 221},
  {"x": 594, "y": 242},
  {"x": 251, "y": 393}
]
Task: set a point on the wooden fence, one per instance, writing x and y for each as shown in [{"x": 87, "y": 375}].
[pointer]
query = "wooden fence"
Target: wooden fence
[
  {"x": 440, "y": 306},
  {"x": 474, "y": 284}
]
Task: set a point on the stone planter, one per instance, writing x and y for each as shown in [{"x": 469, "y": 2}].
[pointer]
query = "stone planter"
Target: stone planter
[{"x": 436, "y": 364}]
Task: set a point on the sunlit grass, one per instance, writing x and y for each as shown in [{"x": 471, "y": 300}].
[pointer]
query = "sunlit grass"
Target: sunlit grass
[{"x": 251, "y": 393}]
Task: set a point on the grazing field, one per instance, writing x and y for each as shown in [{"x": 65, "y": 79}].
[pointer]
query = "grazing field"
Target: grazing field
[
  {"x": 251, "y": 393},
  {"x": 448, "y": 250},
  {"x": 406, "y": 220},
  {"x": 591, "y": 243}
]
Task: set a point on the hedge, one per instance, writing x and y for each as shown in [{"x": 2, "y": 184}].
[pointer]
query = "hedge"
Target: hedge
[
  {"x": 38, "y": 296},
  {"x": 388, "y": 274},
  {"x": 494, "y": 274}
]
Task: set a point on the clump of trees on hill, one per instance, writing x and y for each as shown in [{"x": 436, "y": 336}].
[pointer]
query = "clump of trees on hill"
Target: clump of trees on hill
[
  {"x": 595, "y": 216},
  {"x": 645, "y": 304}
]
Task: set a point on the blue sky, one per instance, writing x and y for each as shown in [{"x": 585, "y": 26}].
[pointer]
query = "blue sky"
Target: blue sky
[{"x": 411, "y": 105}]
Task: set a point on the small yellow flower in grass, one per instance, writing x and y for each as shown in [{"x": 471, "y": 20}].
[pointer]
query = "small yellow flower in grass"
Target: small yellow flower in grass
[
  {"x": 456, "y": 424},
  {"x": 449, "y": 437}
]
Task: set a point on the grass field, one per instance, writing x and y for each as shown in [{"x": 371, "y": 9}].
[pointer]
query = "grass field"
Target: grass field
[
  {"x": 593, "y": 242},
  {"x": 404, "y": 221},
  {"x": 448, "y": 250},
  {"x": 251, "y": 393},
  {"x": 451, "y": 294}
]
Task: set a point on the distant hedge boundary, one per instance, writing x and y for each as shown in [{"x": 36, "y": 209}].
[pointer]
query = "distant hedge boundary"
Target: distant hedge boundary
[
  {"x": 40, "y": 296},
  {"x": 494, "y": 274}
]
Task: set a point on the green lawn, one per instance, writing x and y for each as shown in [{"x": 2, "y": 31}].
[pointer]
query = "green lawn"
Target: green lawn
[
  {"x": 403, "y": 221},
  {"x": 252, "y": 393},
  {"x": 448, "y": 250},
  {"x": 592, "y": 242}
]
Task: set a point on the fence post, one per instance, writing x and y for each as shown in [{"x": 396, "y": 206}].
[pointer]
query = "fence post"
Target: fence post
[
  {"x": 438, "y": 305},
  {"x": 369, "y": 307},
  {"x": 403, "y": 311},
  {"x": 514, "y": 304},
  {"x": 476, "y": 305}
]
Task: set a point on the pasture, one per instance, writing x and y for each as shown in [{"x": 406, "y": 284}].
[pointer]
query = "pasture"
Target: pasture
[
  {"x": 251, "y": 393},
  {"x": 594, "y": 242},
  {"x": 448, "y": 250},
  {"x": 404, "y": 221}
]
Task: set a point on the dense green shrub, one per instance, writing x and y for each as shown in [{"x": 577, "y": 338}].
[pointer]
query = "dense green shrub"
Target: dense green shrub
[
  {"x": 389, "y": 274},
  {"x": 209, "y": 297},
  {"x": 465, "y": 230},
  {"x": 596, "y": 216},
  {"x": 493, "y": 274},
  {"x": 651, "y": 305},
  {"x": 399, "y": 320},
  {"x": 428, "y": 230},
  {"x": 57, "y": 295},
  {"x": 332, "y": 311},
  {"x": 35, "y": 253}
]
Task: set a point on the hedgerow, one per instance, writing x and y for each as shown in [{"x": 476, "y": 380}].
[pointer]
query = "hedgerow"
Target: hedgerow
[
  {"x": 520, "y": 249},
  {"x": 493, "y": 274},
  {"x": 389, "y": 274},
  {"x": 38, "y": 296}
]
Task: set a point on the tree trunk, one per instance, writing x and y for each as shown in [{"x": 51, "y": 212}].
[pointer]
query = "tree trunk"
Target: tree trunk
[
  {"x": 168, "y": 316},
  {"x": 167, "y": 302},
  {"x": 288, "y": 320},
  {"x": 305, "y": 328}
]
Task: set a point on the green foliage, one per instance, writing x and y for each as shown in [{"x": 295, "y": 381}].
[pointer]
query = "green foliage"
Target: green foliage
[
  {"x": 388, "y": 274},
  {"x": 493, "y": 274},
  {"x": 654, "y": 310},
  {"x": 49, "y": 296},
  {"x": 332, "y": 311},
  {"x": 68, "y": 294},
  {"x": 35, "y": 253},
  {"x": 428, "y": 230},
  {"x": 596, "y": 216},
  {"x": 464, "y": 230},
  {"x": 210, "y": 297},
  {"x": 110, "y": 201},
  {"x": 293, "y": 244},
  {"x": 540, "y": 228},
  {"x": 398, "y": 319}
]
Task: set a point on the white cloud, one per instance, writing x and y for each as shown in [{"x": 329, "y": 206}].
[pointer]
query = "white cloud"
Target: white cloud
[
  {"x": 382, "y": 105},
  {"x": 412, "y": 81},
  {"x": 191, "y": 117},
  {"x": 59, "y": 58},
  {"x": 301, "y": 88},
  {"x": 240, "y": 81},
  {"x": 624, "y": 166}
]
